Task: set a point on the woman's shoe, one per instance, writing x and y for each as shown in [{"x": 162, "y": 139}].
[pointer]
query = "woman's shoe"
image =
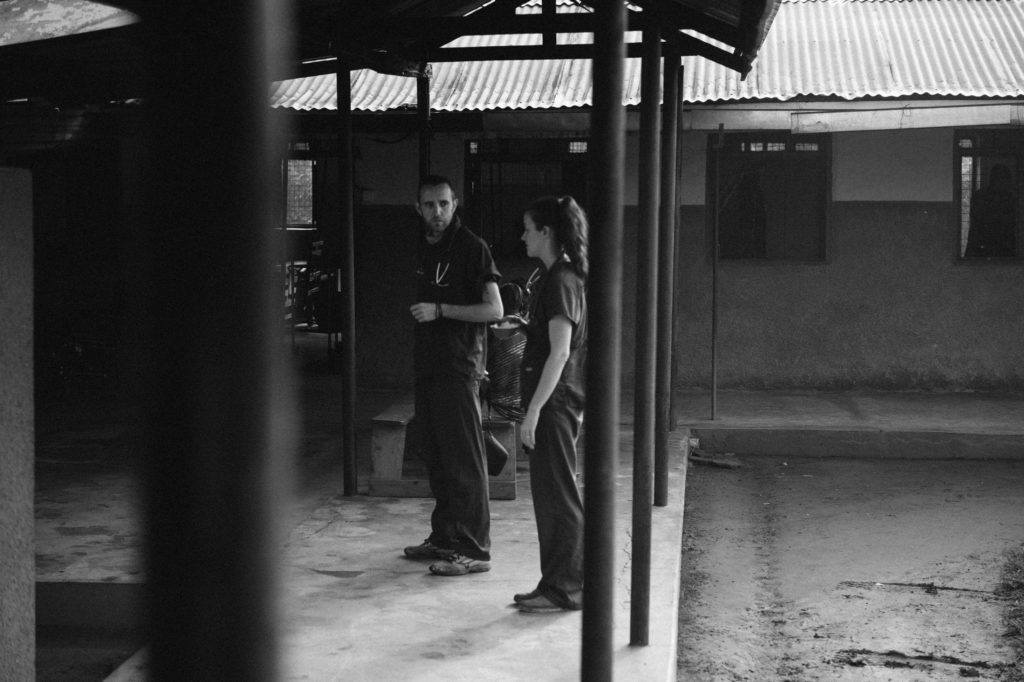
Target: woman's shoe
[
  {"x": 525, "y": 596},
  {"x": 538, "y": 604}
]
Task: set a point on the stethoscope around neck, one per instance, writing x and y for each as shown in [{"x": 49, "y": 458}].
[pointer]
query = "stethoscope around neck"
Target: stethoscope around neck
[{"x": 444, "y": 264}]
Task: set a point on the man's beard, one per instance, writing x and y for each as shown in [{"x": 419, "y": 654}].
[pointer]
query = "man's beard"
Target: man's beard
[{"x": 436, "y": 228}]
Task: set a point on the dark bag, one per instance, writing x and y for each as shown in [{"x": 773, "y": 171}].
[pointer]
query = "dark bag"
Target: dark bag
[{"x": 497, "y": 455}]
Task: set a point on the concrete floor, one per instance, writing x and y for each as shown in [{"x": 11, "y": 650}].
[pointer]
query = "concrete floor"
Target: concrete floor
[{"x": 356, "y": 609}]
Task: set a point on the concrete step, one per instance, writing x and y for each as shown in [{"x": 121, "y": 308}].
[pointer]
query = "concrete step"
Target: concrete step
[{"x": 840, "y": 442}]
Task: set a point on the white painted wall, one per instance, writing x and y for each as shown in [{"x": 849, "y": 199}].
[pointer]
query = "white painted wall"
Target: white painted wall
[
  {"x": 890, "y": 165},
  {"x": 893, "y": 165}
]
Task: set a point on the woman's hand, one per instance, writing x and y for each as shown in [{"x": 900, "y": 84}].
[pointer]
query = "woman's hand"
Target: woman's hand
[
  {"x": 528, "y": 429},
  {"x": 509, "y": 320}
]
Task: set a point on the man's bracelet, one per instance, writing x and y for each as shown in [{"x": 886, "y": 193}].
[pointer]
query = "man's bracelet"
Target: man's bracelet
[{"x": 439, "y": 314}]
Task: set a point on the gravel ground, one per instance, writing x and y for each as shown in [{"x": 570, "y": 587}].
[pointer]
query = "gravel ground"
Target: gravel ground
[{"x": 837, "y": 569}]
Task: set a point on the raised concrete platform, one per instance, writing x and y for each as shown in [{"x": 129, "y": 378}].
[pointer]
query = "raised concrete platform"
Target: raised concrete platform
[
  {"x": 396, "y": 473},
  {"x": 907, "y": 425}
]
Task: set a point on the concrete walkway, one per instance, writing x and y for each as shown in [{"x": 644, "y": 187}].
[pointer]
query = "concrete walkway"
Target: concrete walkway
[{"x": 356, "y": 609}]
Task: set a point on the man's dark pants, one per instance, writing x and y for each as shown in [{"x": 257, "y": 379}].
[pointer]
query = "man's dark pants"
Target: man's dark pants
[{"x": 449, "y": 420}]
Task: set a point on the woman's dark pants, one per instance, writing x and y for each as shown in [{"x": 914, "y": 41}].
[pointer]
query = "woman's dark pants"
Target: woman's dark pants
[{"x": 556, "y": 500}]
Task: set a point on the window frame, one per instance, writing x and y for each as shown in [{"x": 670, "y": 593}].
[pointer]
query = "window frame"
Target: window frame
[
  {"x": 773, "y": 137},
  {"x": 993, "y": 142},
  {"x": 300, "y": 151}
]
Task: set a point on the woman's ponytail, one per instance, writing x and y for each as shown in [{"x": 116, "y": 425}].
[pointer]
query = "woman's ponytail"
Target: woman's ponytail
[
  {"x": 569, "y": 223},
  {"x": 573, "y": 234}
]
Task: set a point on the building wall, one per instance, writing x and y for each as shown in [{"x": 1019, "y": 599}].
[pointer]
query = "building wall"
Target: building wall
[
  {"x": 386, "y": 231},
  {"x": 890, "y": 307}
]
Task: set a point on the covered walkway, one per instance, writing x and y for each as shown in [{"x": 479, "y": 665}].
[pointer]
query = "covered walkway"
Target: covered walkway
[{"x": 356, "y": 609}]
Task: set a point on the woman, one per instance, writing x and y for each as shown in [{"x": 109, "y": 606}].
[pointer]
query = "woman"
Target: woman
[{"x": 552, "y": 379}]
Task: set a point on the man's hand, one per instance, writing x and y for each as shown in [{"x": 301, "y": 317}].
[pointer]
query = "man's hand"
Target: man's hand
[{"x": 425, "y": 312}]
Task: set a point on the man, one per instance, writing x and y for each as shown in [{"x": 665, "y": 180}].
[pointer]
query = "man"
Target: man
[{"x": 457, "y": 295}]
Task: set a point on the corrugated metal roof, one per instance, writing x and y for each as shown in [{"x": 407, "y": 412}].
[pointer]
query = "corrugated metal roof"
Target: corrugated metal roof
[
  {"x": 960, "y": 48},
  {"x": 843, "y": 48}
]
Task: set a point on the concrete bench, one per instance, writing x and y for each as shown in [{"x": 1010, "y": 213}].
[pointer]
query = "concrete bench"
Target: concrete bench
[{"x": 395, "y": 475}]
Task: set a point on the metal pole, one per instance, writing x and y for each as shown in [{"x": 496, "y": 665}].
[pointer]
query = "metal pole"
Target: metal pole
[
  {"x": 217, "y": 405},
  {"x": 348, "y": 281},
  {"x": 675, "y": 409},
  {"x": 714, "y": 273},
  {"x": 666, "y": 274},
  {"x": 423, "y": 116},
  {"x": 549, "y": 10},
  {"x": 646, "y": 339},
  {"x": 604, "y": 302}
]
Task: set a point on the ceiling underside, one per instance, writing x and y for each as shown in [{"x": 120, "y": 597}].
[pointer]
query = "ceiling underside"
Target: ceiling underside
[
  {"x": 389, "y": 36},
  {"x": 815, "y": 50}
]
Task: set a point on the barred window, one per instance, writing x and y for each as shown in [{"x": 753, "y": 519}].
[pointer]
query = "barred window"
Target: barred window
[
  {"x": 769, "y": 193},
  {"x": 504, "y": 175},
  {"x": 989, "y": 194},
  {"x": 299, "y": 192}
]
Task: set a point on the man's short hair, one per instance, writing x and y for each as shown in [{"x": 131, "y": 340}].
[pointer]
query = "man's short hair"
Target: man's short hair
[{"x": 434, "y": 181}]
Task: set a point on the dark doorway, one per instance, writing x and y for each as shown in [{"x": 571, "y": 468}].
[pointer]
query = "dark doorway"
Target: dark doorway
[{"x": 503, "y": 176}]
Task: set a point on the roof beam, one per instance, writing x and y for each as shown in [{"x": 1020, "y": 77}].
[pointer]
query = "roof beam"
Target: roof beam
[
  {"x": 682, "y": 17},
  {"x": 687, "y": 46},
  {"x": 499, "y": 9},
  {"x": 381, "y": 62},
  {"x": 549, "y": 12},
  {"x": 481, "y": 24}
]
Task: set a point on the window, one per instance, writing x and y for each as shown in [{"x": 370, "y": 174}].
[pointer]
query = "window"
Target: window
[
  {"x": 989, "y": 193},
  {"x": 770, "y": 192},
  {"x": 504, "y": 175},
  {"x": 299, "y": 193}
]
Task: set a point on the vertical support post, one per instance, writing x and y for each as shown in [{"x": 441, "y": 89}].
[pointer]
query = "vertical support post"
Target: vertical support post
[
  {"x": 646, "y": 338},
  {"x": 604, "y": 303},
  {"x": 423, "y": 119},
  {"x": 348, "y": 281},
  {"x": 17, "y": 432},
  {"x": 548, "y": 9},
  {"x": 715, "y": 252},
  {"x": 676, "y": 408},
  {"x": 666, "y": 275},
  {"x": 218, "y": 404}
]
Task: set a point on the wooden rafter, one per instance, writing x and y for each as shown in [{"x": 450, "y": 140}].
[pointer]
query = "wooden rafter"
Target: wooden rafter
[{"x": 680, "y": 17}]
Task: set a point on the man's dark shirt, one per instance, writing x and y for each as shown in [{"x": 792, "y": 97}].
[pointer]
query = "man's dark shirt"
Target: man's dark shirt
[
  {"x": 559, "y": 292},
  {"x": 454, "y": 270}
]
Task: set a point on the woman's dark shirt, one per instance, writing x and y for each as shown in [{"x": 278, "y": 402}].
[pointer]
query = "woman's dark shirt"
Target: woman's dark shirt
[
  {"x": 454, "y": 270},
  {"x": 560, "y": 291}
]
